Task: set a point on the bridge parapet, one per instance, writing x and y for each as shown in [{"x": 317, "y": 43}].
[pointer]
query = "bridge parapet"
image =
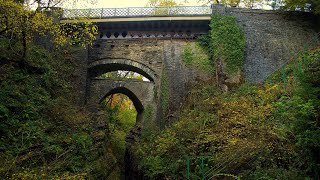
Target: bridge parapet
[{"x": 137, "y": 12}]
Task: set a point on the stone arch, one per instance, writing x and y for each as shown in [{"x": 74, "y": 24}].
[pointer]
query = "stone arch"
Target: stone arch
[
  {"x": 123, "y": 90},
  {"x": 140, "y": 92},
  {"x": 99, "y": 67}
]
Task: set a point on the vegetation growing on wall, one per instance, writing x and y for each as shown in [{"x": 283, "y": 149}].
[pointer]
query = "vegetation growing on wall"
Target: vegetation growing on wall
[
  {"x": 195, "y": 57},
  {"x": 227, "y": 43},
  {"x": 164, "y": 99},
  {"x": 148, "y": 114}
]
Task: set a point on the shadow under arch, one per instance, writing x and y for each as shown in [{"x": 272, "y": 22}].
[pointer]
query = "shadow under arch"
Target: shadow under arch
[
  {"x": 135, "y": 100},
  {"x": 100, "y": 67}
]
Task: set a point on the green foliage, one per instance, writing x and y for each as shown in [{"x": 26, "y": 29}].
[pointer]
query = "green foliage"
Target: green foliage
[
  {"x": 43, "y": 133},
  {"x": 82, "y": 141},
  {"x": 227, "y": 43},
  {"x": 296, "y": 5},
  {"x": 188, "y": 55},
  {"x": 164, "y": 98},
  {"x": 121, "y": 118},
  {"x": 148, "y": 113},
  {"x": 310, "y": 5},
  {"x": 232, "y": 3},
  {"x": 194, "y": 56},
  {"x": 205, "y": 42},
  {"x": 19, "y": 20},
  {"x": 164, "y": 3},
  {"x": 268, "y": 131},
  {"x": 122, "y": 75},
  {"x": 251, "y": 3}
]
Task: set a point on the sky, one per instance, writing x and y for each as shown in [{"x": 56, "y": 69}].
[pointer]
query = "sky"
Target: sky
[
  {"x": 86, "y": 4},
  {"x": 118, "y": 3}
]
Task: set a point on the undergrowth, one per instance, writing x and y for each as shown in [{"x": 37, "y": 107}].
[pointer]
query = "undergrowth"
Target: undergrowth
[
  {"x": 268, "y": 131},
  {"x": 43, "y": 133}
]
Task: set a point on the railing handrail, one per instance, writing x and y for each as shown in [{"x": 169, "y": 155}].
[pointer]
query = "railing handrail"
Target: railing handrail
[{"x": 136, "y": 11}]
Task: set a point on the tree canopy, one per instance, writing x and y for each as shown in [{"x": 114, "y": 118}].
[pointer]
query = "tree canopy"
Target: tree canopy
[
  {"x": 24, "y": 26},
  {"x": 301, "y": 5},
  {"x": 165, "y": 3},
  {"x": 309, "y": 5}
]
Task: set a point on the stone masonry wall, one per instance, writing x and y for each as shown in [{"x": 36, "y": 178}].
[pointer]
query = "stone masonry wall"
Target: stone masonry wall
[
  {"x": 163, "y": 57},
  {"x": 273, "y": 38}
]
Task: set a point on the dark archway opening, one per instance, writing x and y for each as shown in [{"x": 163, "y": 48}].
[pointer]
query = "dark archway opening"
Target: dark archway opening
[
  {"x": 123, "y": 75},
  {"x": 101, "y": 69},
  {"x": 123, "y": 112},
  {"x": 122, "y": 90}
]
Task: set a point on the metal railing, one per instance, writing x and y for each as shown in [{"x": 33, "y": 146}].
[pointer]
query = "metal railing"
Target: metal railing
[{"x": 136, "y": 12}]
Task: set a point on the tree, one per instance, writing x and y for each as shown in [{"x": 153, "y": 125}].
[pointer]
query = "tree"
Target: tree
[
  {"x": 250, "y": 3},
  {"x": 24, "y": 25},
  {"x": 276, "y": 4},
  {"x": 235, "y": 3},
  {"x": 309, "y": 5},
  {"x": 164, "y": 3},
  {"x": 232, "y": 3}
]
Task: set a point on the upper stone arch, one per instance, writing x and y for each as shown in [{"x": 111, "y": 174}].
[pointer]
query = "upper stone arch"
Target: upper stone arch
[{"x": 102, "y": 66}]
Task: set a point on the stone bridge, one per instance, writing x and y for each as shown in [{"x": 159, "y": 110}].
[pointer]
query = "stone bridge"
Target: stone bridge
[{"x": 150, "y": 41}]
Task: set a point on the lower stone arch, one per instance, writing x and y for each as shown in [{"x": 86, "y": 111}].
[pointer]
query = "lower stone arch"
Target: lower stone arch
[{"x": 135, "y": 100}]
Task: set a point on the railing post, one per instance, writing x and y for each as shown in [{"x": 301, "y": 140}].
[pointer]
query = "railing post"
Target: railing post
[
  {"x": 101, "y": 15},
  {"x": 128, "y": 9},
  {"x": 115, "y": 12}
]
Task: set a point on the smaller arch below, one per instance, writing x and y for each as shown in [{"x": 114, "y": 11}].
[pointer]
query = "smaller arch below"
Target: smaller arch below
[
  {"x": 100, "y": 67},
  {"x": 135, "y": 100}
]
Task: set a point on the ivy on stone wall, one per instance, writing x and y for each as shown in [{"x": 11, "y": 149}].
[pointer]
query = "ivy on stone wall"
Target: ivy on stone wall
[
  {"x": 196, "y": 57},
  {"x": 225, "y": 43},
  {"x": 228, "y": 43},
  {"x": 164, "y": 98},
  {"x": 148, "y": 113},
  {"x": 188, "y": 55}
]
